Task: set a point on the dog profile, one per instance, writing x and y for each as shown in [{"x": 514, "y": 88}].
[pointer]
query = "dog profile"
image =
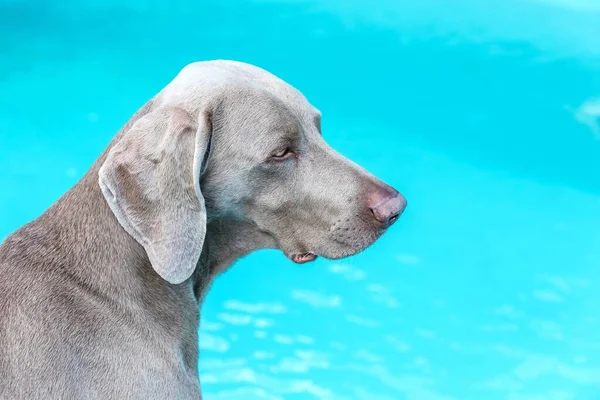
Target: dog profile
[{"x": 100, "y": 295}]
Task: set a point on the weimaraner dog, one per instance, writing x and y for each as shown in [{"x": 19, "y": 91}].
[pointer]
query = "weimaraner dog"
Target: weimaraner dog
[{"x": 100, "y": 295}]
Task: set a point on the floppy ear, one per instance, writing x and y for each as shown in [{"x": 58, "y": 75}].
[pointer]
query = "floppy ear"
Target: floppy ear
[{"x": 151, "y": 181}]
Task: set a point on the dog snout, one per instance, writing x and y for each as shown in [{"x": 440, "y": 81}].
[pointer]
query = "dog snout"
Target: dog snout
[{"x": 386, "y": 204}]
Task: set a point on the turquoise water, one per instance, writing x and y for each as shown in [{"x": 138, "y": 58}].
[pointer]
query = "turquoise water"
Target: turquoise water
[{"x": 484, "y": 114}]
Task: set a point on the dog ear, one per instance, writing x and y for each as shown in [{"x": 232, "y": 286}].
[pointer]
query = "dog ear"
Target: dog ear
[{"x": 151, "y": 181}]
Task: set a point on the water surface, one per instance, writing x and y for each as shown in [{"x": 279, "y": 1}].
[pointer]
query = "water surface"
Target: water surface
[{"x": 484, "y": 114}]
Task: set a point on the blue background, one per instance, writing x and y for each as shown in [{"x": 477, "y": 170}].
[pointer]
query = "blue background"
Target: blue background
[{"x": 485, "y": 114}]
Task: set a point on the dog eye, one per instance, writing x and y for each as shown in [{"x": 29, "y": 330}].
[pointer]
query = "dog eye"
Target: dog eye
[{"x": 282, "y": 154}]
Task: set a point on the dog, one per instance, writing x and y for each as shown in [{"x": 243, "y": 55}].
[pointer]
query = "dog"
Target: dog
[{"x": 100, "y": 295}]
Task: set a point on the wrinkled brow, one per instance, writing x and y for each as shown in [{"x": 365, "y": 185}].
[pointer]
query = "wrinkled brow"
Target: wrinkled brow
[{"x": 286, "y": 132}]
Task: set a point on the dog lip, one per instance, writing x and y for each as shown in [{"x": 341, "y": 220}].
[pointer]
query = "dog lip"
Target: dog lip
[{"x": 303, "y": 258}]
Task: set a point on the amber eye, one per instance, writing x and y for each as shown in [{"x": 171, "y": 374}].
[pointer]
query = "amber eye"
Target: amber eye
[{"x": 282, "y": 154}]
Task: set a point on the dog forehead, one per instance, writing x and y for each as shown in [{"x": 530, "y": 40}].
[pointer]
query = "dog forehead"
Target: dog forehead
[{"x": 204, "y": 81}]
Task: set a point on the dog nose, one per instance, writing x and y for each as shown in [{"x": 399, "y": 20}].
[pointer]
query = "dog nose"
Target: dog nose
[{"x": 386, "y": 204}]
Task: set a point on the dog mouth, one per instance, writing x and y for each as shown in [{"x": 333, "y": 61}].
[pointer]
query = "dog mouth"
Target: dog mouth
[{"x": 303, "y": 258}]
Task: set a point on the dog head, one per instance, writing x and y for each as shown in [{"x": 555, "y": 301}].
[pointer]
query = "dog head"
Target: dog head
[{"x": 227, "y": 141}]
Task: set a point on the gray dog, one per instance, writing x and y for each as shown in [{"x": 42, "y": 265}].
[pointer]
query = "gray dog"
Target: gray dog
[{"x": 100, "y": 295}]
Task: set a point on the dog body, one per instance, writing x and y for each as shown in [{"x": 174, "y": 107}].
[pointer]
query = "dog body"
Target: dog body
[{"x": 100, "y": 295}]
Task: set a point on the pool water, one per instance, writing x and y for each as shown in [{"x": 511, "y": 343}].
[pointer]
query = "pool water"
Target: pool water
[{"x": 485, "y": 115}]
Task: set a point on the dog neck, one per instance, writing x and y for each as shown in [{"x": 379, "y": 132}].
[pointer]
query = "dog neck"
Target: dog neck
[{"x": 227, "y": 240}]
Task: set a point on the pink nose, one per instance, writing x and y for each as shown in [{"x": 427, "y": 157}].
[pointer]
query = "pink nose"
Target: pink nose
[{"x": 386, "y": 204}]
